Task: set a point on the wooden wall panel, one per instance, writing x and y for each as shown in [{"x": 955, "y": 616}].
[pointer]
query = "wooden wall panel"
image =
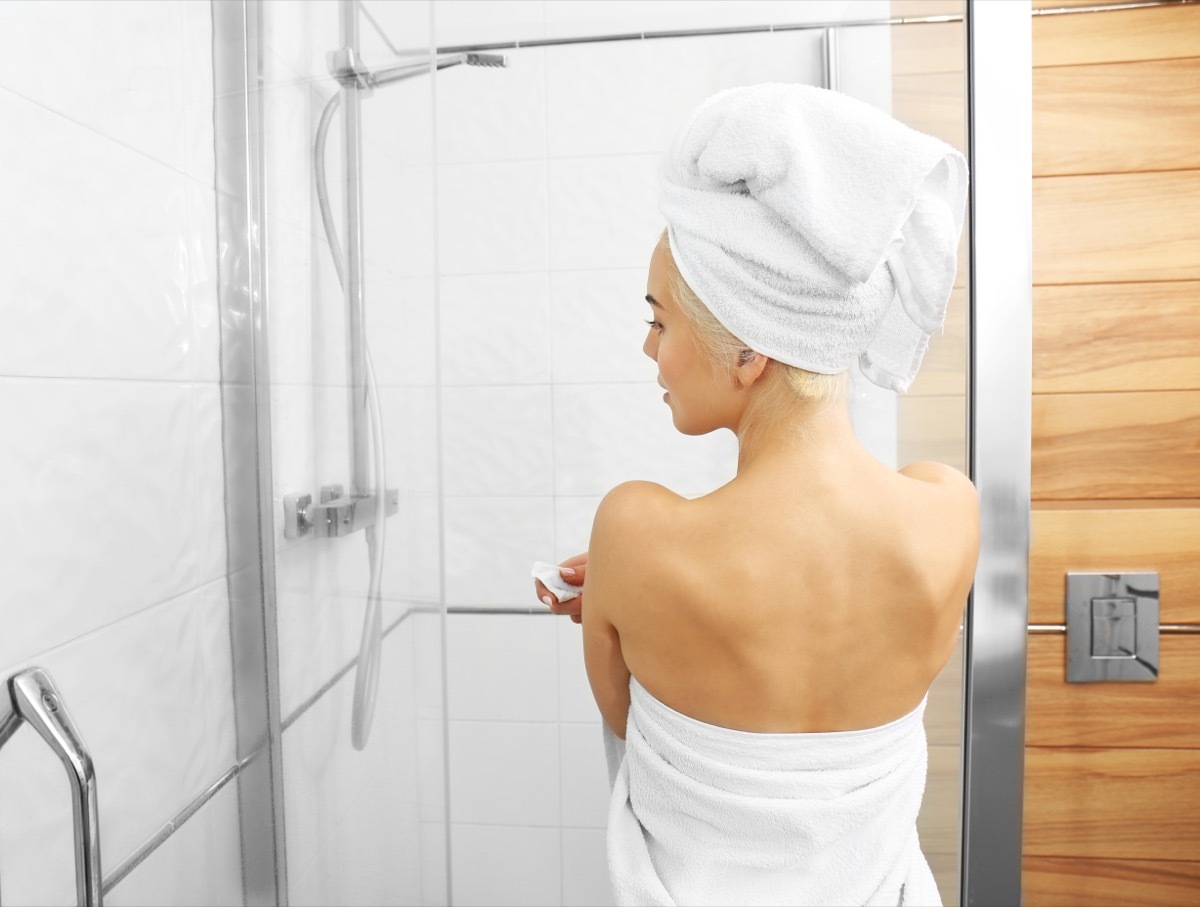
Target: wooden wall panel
[
  {"x": 1159, "y": 33},
  {"x": 934, "y": 103},
  {"x": 920, "y": 49},
  {"x": 1117, "y": 117},
  {"x": 1113, "y": 228},
  {"x": 938, "y": 824},
  {"x": 1066, "y": 882},
  {"x": 1117, "y": 336},
  {"x": 1119, "y": 714},
  {"x": 1134, "y": 445},
  {"x": 1141, "y": 804},
  {"x": 1120, "y": 535}
]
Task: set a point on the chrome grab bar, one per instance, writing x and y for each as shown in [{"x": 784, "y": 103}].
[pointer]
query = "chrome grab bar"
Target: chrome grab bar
[{"x": 33, "y": 698}]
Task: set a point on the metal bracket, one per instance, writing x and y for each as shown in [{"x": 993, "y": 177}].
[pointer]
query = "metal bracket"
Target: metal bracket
[
  {"x": 336, "y": 515},
  {"x": 31, "y": 697},
  {"x": 1112, "y": 627},
  {"x": 348, "y": 70}
]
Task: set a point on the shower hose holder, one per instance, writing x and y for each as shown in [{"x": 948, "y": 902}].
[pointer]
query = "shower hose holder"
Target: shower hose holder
[{"x": 335, "y": 515}]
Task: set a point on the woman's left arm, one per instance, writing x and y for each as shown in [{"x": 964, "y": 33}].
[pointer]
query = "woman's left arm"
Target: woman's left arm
[{"x": 618, "y": 553}]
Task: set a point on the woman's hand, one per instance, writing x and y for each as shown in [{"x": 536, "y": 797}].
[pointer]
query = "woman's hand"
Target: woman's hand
[{"x": 574, "y": 607}]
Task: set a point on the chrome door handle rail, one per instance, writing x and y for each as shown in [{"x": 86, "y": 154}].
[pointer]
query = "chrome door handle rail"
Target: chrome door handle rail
[{"x": 31, "y": 697}]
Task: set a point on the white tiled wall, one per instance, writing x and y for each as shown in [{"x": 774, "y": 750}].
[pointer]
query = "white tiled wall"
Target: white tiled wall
[
  {"x": 547, "y": 218},
  {"x": 114, "y": 559}
]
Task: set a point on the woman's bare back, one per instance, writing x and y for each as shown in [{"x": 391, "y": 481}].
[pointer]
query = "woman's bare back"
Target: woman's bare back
[{"x": 785, "y": 605}]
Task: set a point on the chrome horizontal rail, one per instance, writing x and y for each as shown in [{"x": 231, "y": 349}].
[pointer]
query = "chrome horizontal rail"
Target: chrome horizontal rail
[{"x": 1163, "y": 629}]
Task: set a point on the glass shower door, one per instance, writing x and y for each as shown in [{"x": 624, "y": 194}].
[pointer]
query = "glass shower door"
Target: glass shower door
[{"x": 338, "y": 208}]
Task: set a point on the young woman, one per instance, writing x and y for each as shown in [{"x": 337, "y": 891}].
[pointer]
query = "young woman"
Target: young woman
[{"x": 766, "y": 649}]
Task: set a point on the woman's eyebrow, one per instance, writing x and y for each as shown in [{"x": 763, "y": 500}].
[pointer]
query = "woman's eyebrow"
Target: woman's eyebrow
[{"x": 650, "y": 299}]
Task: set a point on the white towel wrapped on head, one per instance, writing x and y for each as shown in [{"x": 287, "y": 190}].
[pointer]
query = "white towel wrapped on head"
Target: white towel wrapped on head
[
  {"x": 702, "y": 814},
  {"x": 816, "y": 228}
]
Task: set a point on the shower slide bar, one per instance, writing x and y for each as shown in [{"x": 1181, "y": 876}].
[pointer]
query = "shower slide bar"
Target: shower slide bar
[{"x": 31, "y": 697}]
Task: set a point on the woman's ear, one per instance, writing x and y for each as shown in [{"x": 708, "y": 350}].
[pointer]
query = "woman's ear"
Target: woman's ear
[{"x": 750, "y": 367}]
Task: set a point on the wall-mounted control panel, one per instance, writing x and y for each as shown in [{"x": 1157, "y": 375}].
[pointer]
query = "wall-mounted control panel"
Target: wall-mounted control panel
[{"x": 1112, "y": 627}]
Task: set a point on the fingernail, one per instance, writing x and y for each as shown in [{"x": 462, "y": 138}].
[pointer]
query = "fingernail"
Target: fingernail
[
  {"x": 569, "y": 571},
  {"x": 548, "y": 601}
]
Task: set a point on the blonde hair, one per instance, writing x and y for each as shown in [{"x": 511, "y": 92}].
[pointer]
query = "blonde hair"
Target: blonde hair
[{"x": 724, "y": 349}]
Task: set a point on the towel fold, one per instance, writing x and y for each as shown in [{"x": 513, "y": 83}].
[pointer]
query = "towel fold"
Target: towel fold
[
  {"x": 816, "y": 228},
  {"x": 702, "y": 814}
]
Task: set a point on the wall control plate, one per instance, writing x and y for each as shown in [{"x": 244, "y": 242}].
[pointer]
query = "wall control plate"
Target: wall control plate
[{"x": 1112, "y": 627}]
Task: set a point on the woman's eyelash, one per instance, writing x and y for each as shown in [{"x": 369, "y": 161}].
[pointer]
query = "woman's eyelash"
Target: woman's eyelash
[{"x": 653, "y": 324}]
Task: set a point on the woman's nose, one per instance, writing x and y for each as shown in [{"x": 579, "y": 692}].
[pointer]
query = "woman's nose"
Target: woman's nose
[{"x": 650, "y": 347}]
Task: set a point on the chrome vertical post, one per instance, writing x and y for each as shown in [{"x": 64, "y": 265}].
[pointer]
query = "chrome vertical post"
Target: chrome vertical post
[
  {"x": 999, "y": 129},
  {"x": 355, "y": 270},
  {"x": 829, "y": 59}
]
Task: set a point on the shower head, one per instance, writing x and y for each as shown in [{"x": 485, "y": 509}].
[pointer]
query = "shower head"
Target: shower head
[{"x": 348, "y": 69}]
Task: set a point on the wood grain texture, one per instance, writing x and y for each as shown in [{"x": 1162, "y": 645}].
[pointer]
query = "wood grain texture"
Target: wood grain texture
[
  {"x": 934, "y": 103},
  {"x": 939, "y": 47},
  {"x": 945, "y": 873},
  {"x": 1067, "y": 882},
  {"x": 937, "y": 823},
  {"x": 1120, "y": 445},
  {"x": 932, "y": 428},
  {"x": 1058, "y": 713},
  {"x": 928, "y": 7},
  {"x": 1116, "y": 337},
  {"x": 943, "y": 711},
  {"x": 1117, "y": 117},
  {"x": 1116, "y": 227},
  {"x": 1139, "y": 804},
  {"x": 1159, "y": 33},
  {"x": 1148, "y": 537}
]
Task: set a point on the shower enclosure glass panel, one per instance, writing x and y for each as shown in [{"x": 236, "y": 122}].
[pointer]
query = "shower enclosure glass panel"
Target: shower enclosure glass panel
[{"x": 362, "y": 825}]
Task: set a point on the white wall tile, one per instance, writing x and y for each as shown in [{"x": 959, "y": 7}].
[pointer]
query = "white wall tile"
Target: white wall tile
[
  {"x": 96, "y": 241},
  {"x": 200, "y": 864},
  {"x": 203, "y": 281},
  {"x": 434, "y": 864},
  {"x": 407, "y": 26},
  {"x": 427, "y": 666},
  {"x": 497, "y": 441},
  {"x": 502, "y": 667},
  {"x": 575, "y": 701},
  {"x": 109, "y": 473},
  {"x": 493, "y": 113},
  {"x": 399, "y": 117},
  {"x": 290, "y": 302},
  {"x": 290, "y": 113},
  {"x": 400, "y": 331},
  {"x": 505, "y": 866},
  {"x": 152, "y": 697},
  {"x": 608, "y": 434},
  {"x": 585, "y": 789},
  {"x": 117, "y": 68},
  {"x": 492, "y": 217},
  {"x": 487, "y": 21},
  {"x": 504, "y": 772},
  {"x": 599, "y": 326},
  {"x": 352, "y": 839},
  {"x": 603, "y": 212},
  {"x": 573, "y": 518},
  {"x": 495, "y": 329},
  {"x": 431, "y": 772},
  {"x": 585, "y": 869},
  {"x": 491, "y": 544}
]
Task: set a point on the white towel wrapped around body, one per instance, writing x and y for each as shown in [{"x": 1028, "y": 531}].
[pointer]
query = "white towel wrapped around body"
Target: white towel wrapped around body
[
  {"x": 702, "y": 814},
  {"x": 816, "y": 228}
]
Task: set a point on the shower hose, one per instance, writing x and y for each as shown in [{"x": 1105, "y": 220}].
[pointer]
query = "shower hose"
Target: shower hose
[{"x": 366, "y": 673}]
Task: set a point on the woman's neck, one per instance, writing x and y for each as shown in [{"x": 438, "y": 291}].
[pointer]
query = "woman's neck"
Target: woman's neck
[{"x": 804, "y": 439}]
